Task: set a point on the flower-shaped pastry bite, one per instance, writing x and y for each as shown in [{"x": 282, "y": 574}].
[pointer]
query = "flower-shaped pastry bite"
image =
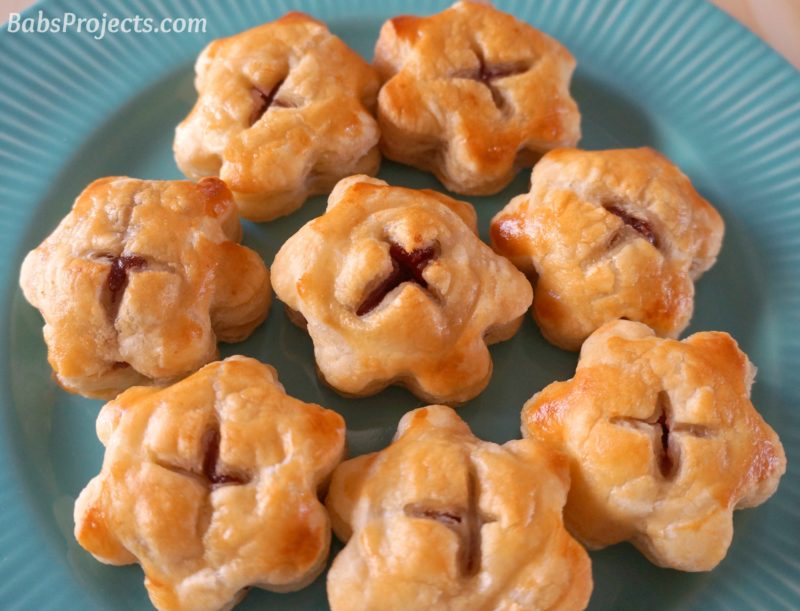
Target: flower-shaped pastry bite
[
  {"x": 663, "y": 441},
  {"x": 283, "y": 112},
  {"x": 211, "y": 485},
  {"x": 140, "y": 280},
  {"x": 443, "y": 520},
  {"x": 396, "y": 287},
  {"x": 472, "y": 94},
  {"x": 609, "y": 234}
]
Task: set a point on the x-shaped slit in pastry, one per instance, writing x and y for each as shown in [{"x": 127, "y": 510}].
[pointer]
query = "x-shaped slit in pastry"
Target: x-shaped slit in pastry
[
  {"x": 211, "y": 466},
  {"x": 264, "y": 100},
  {"x": 120, "y": 267},
  {"x": 641, "y": 226},
  {"x": 487, "y": 73},
  {"x": 465, "y": 522},
  {"x": 667, "y": 453},
  {"x": 210, "y": 472},
  {"x": 406, "y": 267},
  {"x": 113, "y": 289},
  {"x": 117, "y": 280}
]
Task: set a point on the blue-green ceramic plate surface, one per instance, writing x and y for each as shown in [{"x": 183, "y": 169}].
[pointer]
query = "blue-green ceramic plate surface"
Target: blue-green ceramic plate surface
[{"x": 678, "y": 76}]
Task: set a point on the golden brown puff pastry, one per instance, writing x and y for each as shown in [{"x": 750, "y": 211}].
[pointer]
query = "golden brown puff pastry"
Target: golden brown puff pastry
[
  {"x": 140, "y": 280},
  {"x": 663, "y": 441},
  {"x": 610, "y": 234},
  {"x": 211, "y": 485},
  {"x": 443, "y": 520},
  {"x": 396, "y": 288},
  {"x": 472, "y": 94},
  {"x": 283, "y": 112}
]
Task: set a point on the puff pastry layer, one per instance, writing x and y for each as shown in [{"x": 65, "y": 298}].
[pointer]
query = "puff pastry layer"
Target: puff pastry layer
[
  {"x": 211, "y": 485},
  {"x": 472, "y": 94},
  {"x": 139, "y": 281},
  {"x": 663, "y": 441},
  {"x": 284, "y": 110},
  {"x": 443, "y": 520},
  {"x": 606, "y": 235},
  {"x": 396, "y": 288}
]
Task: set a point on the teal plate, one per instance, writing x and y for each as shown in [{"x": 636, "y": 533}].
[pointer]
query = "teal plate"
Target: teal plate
[{"x": 679, "y": 76}]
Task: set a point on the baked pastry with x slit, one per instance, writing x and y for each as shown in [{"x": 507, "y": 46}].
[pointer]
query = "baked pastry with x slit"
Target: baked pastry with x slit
[
  {"x": 443, "y": 520},
  {"x": 395, "y": 287},
  {"x": 211, "y": 485},
  {"x": 140, "y": 280},
  {"x": 284, "y": 110},
  {"x": 606, "y": 235},
  {"x": 472, "y": 94},
  {"x": 663, "y": 442}
]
